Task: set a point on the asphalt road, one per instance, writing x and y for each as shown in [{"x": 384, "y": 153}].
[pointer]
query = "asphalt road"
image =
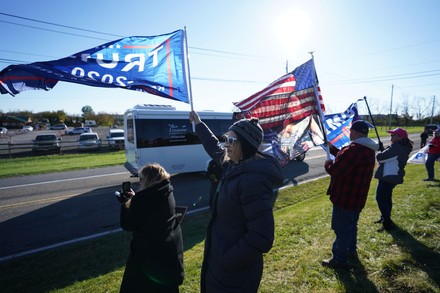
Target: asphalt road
[{"x": 43, "y": 211}]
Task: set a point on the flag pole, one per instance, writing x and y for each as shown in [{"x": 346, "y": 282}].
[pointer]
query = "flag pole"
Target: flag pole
[
  {"x": 318, "y": 104},
  {"x": 188, "y": 76},
  {"x": 374, "y": 124}
]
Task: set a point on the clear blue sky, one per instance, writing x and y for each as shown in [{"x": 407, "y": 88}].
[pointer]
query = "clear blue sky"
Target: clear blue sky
[{"x": 361, "y": 48}]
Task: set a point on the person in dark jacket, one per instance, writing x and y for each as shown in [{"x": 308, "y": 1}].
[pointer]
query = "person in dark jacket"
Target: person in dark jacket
[
  {"x": 391, "y": 170},
  {"x": 423, "y": 138},
  {"x": 155, "y": 263},
  {"x": 350, "y": 178},
  {"x": 241, "y": 228}
]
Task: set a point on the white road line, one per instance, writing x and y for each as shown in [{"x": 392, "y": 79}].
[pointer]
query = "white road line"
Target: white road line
[{"x": 62, "y": 180}]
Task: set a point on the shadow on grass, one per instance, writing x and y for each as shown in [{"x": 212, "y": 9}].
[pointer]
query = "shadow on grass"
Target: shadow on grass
[
  {"x": 356, "y": 279},
  {"x": 424, "y": 257}
]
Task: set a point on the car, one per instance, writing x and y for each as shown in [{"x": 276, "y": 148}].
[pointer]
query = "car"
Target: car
[
  {"x": 431, "y": 128},
  {"x": 3, "y": 130},
  {"x": 77, "y": 130},
  {"x": 27, "y": 128},
  {"x": 116, "y": 138},
  {"x": 58, "y": 127},
  {"x": 46, "y": 142},
  {"x": 89, "y": 141}
]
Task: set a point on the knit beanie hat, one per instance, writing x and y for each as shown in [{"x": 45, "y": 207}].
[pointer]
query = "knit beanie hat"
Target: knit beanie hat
[{"x": 250, "y": 135}]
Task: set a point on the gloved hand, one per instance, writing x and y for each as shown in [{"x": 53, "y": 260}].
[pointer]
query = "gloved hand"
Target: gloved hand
[{"x": 381, "y": 148}]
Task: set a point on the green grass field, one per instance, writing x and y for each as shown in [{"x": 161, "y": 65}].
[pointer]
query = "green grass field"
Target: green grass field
[{"x": 404, "y": 260}]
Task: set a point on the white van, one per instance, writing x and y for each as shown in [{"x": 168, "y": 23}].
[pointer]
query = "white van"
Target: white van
[
  {"x": 161, "y": 134},
  {"x": 116, "y": 138}
]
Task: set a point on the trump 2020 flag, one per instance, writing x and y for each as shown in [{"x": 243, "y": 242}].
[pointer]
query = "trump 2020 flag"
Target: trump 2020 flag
[
  {"x": 152, "y": 64},
  {"x": 337, "y": 126}
]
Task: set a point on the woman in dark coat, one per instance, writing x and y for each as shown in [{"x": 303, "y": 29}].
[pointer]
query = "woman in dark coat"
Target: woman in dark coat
[
  {"x": 391, "y": 170},
  {"x": 155, "y": 263},
  {"x": 241, "y": 228}
]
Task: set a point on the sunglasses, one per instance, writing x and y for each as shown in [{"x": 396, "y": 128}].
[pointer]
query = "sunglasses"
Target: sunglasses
[{"x": 229, "y": 139}]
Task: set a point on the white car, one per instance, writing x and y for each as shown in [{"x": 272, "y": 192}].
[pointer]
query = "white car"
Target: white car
[
  {"x": 77, "y": 130},
  {"x": 27, "y": 128},
  {"x": 116, "y": 138},
  {"x": 3, "y": 130}
]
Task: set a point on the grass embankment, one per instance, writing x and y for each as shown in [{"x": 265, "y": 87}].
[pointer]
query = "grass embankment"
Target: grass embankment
[{"x": 405, "y": 260}]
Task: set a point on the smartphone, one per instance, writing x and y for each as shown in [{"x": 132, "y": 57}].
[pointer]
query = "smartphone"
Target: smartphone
[{"x": 126, "y": 186}]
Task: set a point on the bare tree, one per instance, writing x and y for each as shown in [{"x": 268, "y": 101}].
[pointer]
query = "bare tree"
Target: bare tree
[{"x": 421, "y": 107}]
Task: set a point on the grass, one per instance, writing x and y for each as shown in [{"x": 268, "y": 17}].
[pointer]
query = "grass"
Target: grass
[
  {"x": 405, "y": 260},
  {"x": 58, "y": 163}
]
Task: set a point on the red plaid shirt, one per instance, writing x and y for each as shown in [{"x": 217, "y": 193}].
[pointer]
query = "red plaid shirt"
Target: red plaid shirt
[{"x": 350, "y": 174}]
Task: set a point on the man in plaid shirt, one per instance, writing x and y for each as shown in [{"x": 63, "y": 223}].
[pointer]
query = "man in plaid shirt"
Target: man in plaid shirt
[{"x": 350, "y": 177}]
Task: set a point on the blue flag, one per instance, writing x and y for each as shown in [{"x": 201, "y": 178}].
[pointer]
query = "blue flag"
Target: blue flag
[
  {"x": 154, "y": 65},
  {"x": 338, "y": 125}
]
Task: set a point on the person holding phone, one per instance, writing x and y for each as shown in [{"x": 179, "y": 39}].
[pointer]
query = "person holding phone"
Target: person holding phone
[{"x": 155, "y": 263}]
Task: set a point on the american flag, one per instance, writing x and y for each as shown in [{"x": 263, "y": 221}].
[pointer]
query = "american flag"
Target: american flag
[{"x": 289, "y": 98}]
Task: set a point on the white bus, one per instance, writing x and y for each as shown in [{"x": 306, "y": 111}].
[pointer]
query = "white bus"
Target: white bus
[{"x": 161, "y": 134}]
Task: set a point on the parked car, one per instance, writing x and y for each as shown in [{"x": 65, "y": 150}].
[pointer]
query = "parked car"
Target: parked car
[
  {"x": 58, "y": 127},
  {"x": 47, "y": 142},
  {"x": 431, "y": 128},
  {"x": 116, "y": 138},
  {"x": 89, "y": 141},
  {"x": 3, "y": 130},
  {"x": 28, "y": 128},
  {"x": 77, "y": 130}
]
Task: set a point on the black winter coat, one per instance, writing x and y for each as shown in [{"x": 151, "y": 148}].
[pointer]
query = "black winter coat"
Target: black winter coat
[
  {"x": 241, "y": 228},
  {"x": 156, "y": 249},
  {"x": 400, "y": 149}
]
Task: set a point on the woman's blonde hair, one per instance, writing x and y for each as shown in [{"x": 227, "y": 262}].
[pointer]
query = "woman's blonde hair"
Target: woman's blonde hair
[{"x": 151, "y": 174}]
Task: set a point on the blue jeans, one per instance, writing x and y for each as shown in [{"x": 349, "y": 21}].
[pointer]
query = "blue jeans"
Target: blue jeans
[
  {"x": 384, "y": 193},
  {"x": 429, "y": 164},
  {"x": 344, "y": 223}
]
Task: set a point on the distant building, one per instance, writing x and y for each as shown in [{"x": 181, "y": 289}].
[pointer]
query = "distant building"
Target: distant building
[{"x": 14, "y": 122}]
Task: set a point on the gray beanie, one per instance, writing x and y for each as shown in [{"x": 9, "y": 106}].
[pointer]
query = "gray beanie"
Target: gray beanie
[{"x": 249, "y": 130}]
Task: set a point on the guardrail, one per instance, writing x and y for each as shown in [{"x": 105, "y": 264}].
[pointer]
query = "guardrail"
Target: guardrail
[{"x": 13, "y": 150}]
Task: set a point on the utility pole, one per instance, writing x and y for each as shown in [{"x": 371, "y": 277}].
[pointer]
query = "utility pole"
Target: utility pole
[
  {"x": 391, "y": 105},
  {"x": 433, "y": 107},
  {"x": 287, "y": 66}
]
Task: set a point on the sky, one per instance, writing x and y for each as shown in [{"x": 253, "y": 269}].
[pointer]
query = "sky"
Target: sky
[{"x": 384, "y": 50}]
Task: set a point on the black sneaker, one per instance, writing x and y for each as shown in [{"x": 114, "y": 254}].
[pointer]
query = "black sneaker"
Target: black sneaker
[
  {"x": 428, "y": 179},
  {"x": 387, "y": 226}
]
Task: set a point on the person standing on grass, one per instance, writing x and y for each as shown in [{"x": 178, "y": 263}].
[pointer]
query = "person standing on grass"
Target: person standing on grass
[
  {"x": 350, "y": 178},
  {"x": 433, "y": 155},
  {"x": 392, "y": 162},
  {"x": 241, "y": 228},
  {"x": 155, "y": 263}
]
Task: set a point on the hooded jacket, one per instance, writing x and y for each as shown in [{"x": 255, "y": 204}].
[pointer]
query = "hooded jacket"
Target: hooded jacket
[
  {"x": 156, "y": 249},
  {"x": 241, "y": 228},
  {"x": 351, "y": 173},
  {"x": 397, "y": 152}
]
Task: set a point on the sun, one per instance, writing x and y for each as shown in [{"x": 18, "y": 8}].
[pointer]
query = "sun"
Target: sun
[{"x": 291, "y": 29}]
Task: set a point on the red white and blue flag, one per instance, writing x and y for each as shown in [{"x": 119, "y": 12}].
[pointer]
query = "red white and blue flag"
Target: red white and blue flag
[
  {"x": 287, "y": 111},
  {"x": 151, "y": 64},
  {"x": 290, "y": 98}
]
